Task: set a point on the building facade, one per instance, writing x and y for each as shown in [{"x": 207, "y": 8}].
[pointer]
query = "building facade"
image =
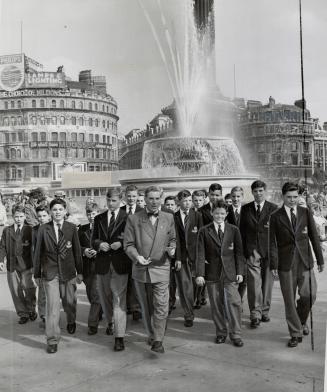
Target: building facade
[{"x": 51, "y": 124}]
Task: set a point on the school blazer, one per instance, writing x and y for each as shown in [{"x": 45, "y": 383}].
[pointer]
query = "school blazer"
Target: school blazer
[
  {"x": 84, "y": 236},
  {"x": 210, "y": 249},
  {"x": 230, "y": 218},
  {"x": 8, "y": 247},
  {"x": 206, "y": 214},
  {"x": 137, "y": 208},
  {"x": 121, "y": 263},
  {"x": 49, "y": 260},
  {"x": 186, "y": 240},
  {"x": 255, "y": 232},
  {"x": 142, "y": 238},
  {"x": 285, "y": 243}
]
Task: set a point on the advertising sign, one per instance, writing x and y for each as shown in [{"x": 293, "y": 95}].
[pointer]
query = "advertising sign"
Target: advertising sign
[
  {"x": 12, "y": 69},
  {"x": 45, "y": 80}
]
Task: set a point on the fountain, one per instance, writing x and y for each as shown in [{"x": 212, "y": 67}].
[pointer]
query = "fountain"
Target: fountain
[{"x": 201, "y": 153}]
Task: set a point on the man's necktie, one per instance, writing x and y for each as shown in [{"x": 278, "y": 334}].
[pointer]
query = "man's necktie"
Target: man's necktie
[
  {"x": 111, "y": 223},
  {"x": 220, "y": 233},
  {"x": 18, "y": 230},
  {"x": 155, "y": 214},
  {"x": 130, "y": 210},
  {"x": 237, "y": 216},
  {"x": 61, "y": 242},
  {"x": 186, "y": 220},
  {"x": 293, "y": 219},
  {"x": 258, "y": 212}
]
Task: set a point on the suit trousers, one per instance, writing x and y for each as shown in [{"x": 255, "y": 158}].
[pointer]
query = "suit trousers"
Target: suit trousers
[
  {"x": 118, "y": 284},
  {"x": 297, "y": 278},
  {"x": 55, "y": 291},
  {"x": 22, "y": 290},
  {"x": 259, "y": 287},
  {"x": 154, "y": 301},
  {"x": 132, "y": 302},
  {"x": 185, "y": 289},
  {"x": 90, "y": 282},
  {"x": 226, "y": 307},
  {"x": 105, "y": 295},
  {"x": 172, "y": 289},
  {"x": 41, "y": 300}
]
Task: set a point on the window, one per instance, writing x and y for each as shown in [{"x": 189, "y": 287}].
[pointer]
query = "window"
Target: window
[
  {"x": 36, "y": 172},
  {"x": 62, "y": 120},
  {"x": 96, "y": 192},
  {"x": 19, "y": 153},
  {"x": 97, "y": 138},
  {"x": 81, "y": 121},
  {"x": 34, "y": 120},
  {"x": 103, "y": 138},
  {"x": 96, "y": 122},
  {"x": 7, "y": 137},
  {"x": 34, "y": 137},
  {"x": 78, "y": 192},
  {"x": 73, "y": 105},
  {"x": 54, "y": 136},
  {"x": 42, "y": 120},
  {"x": 107, "y": 109},
  {"x": 6, "y": 121},
  {"x": 73, "y": 120},
  {"x": 42, "y": 103},
  {"x": 90, "y": 122},
  {"x": 7, "y": 154},
  {"x": 12, "y": 104},
  {"x": 44, "y": 153},
  {"x": 96, "y": 106},
  {"x": 103, "y": 124},
  {"x": 74, "y": 153},
  {"x": 44, "y": 172},
  {"x": 13, "y": 137},
  {"x": 33, "y": 103},
  {"x": 6, "y": 105},
  {"x": 53, "y": 104},
  {"x": 54, "y": 120},
  {"x": 306, "y": 160},
  {"x": 91, "y": 137},
  {"x": 103, "y": 108},
  {"x": 62, "y": 104},
  {"x": 55, "y": 153},
  {"x": 20, "y": 136},
  {"x": 294, "y": 159},
  {"x": 108, "y": 124},
  {"x": 19, "y": 104},
  {"x": 306, "y": 146},
  {"x": 81, "y": 137},
  {"x": 13, "y": 120},
  {"x": 97, "y": 154},
  {"x": 19, "y": 174},
  {"x": 43, "y": 136},
  {"x": 73, "y": 136},
  {"x": 294, "y": 146},
  {"x": 20, "y": 120},
  {"x": 90, "y": 105},
  {"x": 48, "y": 121},
  {"x": 80, "y": 105},
  {"x": 62, "y": 136},
  {"x": 13, "y": 153},
  {"x": 13, "y": 172}
]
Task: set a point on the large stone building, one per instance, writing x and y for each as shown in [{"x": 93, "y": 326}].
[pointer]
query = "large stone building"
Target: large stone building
[
  {"x": 276, "y": 144},
  {"x": 49, "y": 123}
]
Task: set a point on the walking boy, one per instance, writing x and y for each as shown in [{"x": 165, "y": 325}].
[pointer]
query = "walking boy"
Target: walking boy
[
  {"x": 220, "y": 264},
  {"x": 16, "y": 245},
  {"x": 57, "y": 259}
]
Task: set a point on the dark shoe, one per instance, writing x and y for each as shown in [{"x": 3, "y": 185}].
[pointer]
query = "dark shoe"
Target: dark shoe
[
  {"x": 52, "y": 348},
  {"x": 255, "y": 323},
  {"x": 110, "y": 329},
  {"x": 23, "y": 320},
  {"x": 158, "y": 347},
  {"x": 150, "y": 341},
  {"x": 265, "y": 318},
  {"x": 203, "y": 301},
  {"x": 137, "y": 315},
  {"x": 33, "y": 316},
  {"x": 197, "y": 305},
  {"x": 188, "y": 323},
  {"x": 119, "y": 344},
  {"x": 299, "y": 339},
  {"x": 101, "y": 315},
  {"x": 293, "y": 342},
  {"x": 128, "y": 312},
  {"x": 220, "y": 339},
  {"x": 92, "y": 331},
  {"x": 71, "y": 328},
  {"x": 238, "y": 342},
  {"x": 305, "y": 329}
]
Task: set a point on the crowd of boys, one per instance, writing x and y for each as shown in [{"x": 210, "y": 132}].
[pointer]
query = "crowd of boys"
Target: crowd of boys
[{"x": 133, "y": 256}]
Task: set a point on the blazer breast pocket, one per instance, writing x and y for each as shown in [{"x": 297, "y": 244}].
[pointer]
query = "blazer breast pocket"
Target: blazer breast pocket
[
  {"x": 68, "y": 244},
  {"x": 231, "y": 246}
]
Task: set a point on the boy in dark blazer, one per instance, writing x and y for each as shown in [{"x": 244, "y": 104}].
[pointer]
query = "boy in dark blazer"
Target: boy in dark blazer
[
  {"x": 290, "y": 254},
  {"x": 187, "y": 224},
  {"x": 254, "y": 224},
  {"x": 89, "y": 275},
  {"x": 16, "y": 245},
  {"x": 215, "y": 194},
  {"x": 220, "y": 264},
  {"x": 57, "y": 259},
  {"x": 112, "y": 265}
]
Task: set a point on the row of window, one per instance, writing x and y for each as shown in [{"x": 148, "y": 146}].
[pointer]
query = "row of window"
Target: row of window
[
  {"x": 14, "y": 173},
  {"x": 293, "y": 159},
  {"x": 13, "y": 121},
  {"x": 277, "y": 116},
  {"x": 278, "y": 146},
  {"x": 42, "y": 103}
]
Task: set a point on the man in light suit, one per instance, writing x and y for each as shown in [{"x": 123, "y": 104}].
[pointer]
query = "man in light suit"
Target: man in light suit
[
  {"x": 254, "y": 224},
  {"x": 150, "y": 241},
  {"x": 291, "y": 228}
]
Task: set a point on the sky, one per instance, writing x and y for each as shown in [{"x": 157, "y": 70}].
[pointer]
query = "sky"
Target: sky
[{"x": 113, "y": 38}]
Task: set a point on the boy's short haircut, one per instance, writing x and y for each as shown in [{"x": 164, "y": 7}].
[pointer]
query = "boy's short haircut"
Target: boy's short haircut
[
  {"x": 140, "y": 193},
  {"x": 183, "y": 194},
  {"x": 289, "y": 187},
  {"x": 228, "y": 196},
  {"x": 114, "y": 192},
  {"x": 18, "y": 208},
  {"x": 170, "y": 198},
  {"x": 91, "y": 207},
  {"x": 153, "y": 188},
  {"x": 42, "y": 208},
  {"x": 219, "y": 204},
  {"x": 200, "y": 193},
  {"x": 215, "y": 187},
  {"x": 58, "y": 201},
  {"x": 258, "y": 184},
  {"x": 131, "y": 188},
  {"x": 237, "y": 189}
]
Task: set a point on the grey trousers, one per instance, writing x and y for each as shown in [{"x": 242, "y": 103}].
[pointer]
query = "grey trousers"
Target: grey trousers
[
  {"x": 185, "y": 289},
  {"x": 90, "y": 282},
  {"x": 154, "y": 301},
  {"x": 105, "y": 296},
  {"x": 297, "y": 279},
  {"x": 259, "y": 288},
  {"x": 41, "y": 300},
  {"x": 54, "y": 292},
  {"x": 226, "y": 307},
  {"x": 22, "y": 290}
]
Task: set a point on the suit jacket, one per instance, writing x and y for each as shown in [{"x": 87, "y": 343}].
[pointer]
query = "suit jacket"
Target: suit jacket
[
  {"x": 186, "y": 240},
  {"x": 230, "y": 218},
  {"x": 137, "y": 208},
  {"x": 30, "y": 213},
  {"x": 142, "y": 238},
  {"x": 85, "y": 240},
  {"x": 255, "y": 232},
  {"x": 8, "y": 247},
  {"x": 210, "y": 250},
  {"x": 118, "y": 258},
  {"x": 285, "y": 243},
  {"x": 50, "y": 259},
  {"x": 206, "y": 214}
]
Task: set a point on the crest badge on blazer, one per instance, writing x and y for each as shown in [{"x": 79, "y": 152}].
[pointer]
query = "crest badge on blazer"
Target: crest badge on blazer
[
  {"x": 26, "y": 243},
  {"x": 195, "y": 229},
  {"x": 68, "y": 244},
  {"x": 231, "y": 246},
  {"x": 305, "y": 230}
]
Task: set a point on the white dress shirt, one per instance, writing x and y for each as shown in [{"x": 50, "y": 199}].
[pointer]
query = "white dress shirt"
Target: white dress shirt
[
  {"x": 238, "y": 209},
  {"x": 222, "y": 226},
  {"x": 261, "y": 205},
  {"x": 128, "y": 208},
  {"x": 183, "y": 215}
]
